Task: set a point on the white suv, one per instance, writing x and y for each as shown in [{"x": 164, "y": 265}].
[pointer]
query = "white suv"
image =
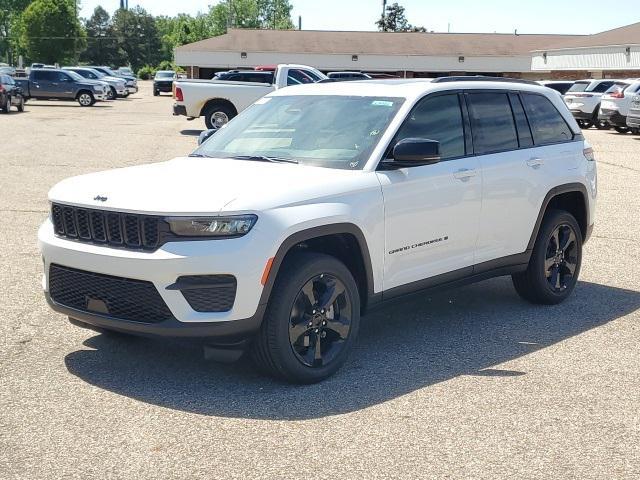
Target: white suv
[
  {"x": 320, "y": 202},
  {"x": 583, "y": 100},
  {"x": 615, "y": 104}
]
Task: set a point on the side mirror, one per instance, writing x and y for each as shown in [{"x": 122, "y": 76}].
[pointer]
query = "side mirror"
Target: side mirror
[
  {"x": 414, "y": 152},
  {"x": 205, "y": 135}
]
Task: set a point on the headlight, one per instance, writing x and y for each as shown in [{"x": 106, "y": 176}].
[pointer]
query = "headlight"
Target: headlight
[
  {"x": 97, "y": 88},
  {"x": 235, "y": 226}
]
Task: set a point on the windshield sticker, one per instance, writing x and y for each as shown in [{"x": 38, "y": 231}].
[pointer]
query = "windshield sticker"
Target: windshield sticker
[{"x": 382, "y": 103}]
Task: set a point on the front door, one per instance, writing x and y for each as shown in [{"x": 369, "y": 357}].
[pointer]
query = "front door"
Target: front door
[{"x": 432, "y": 212}]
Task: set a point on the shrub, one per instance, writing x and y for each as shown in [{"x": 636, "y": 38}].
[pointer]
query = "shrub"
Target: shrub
[{"x": 147, "y": 72}]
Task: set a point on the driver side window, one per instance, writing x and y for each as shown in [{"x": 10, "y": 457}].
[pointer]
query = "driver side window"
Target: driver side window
[{"x": 437, "y": 118}]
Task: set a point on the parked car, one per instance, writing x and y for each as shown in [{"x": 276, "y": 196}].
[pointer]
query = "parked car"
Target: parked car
[
  {"x": 130, "y": 80},
  {"x": 615, "y": 103},
  {"x": 253, "y": 76},
  {"x": 8, "y": 70},
  {"x": 117, "y": 85},
  {"x": 633, "y": 118},
  {"x": 10, "y": 94},
  {"x": 125, "y": 71},
  {"x": 346, "y": 76},
  {"x": 220, "y": 101},
  {"x": 163, "y": 81},
  {"x": 560, "y": 86},
  {"x": 57, "y": 84},
  {"x": 319, "y": 203},
  {"x": 583, "y": 100}
]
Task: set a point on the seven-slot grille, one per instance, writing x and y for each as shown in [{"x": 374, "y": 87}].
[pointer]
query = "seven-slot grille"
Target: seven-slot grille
[
  {"x": 116, "y": 297},
  {"x": 104, "y": 227}
]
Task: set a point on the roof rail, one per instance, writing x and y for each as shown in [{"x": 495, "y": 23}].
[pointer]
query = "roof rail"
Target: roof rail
[{"x": 481, "y": 78}]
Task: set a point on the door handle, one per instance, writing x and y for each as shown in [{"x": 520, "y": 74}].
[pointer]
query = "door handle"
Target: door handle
[
  {"x": 465, "y": 174},
  {"x": 535, "y": 162}
]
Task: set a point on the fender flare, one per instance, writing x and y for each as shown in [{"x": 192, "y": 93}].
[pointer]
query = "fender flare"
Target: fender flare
[
  {"x": 315, "y": 232},
  {"x": 554, "y": 192}
]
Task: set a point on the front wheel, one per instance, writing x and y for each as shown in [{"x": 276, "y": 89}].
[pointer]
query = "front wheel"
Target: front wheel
[
  {"x": 21, "y": 104},
  {"x": 555, "y": 262},
  {"x": 6, "y": 106},
  {"x": 585, "y": 124},
  {"x": 112, "y": 94},
  {"x": 602, "y": 125},
  {"x": 622, "y": 129},
  {"x": 311, "y": 322},
  {"x": 156, "y": 93},
  {"x": 85, "y": 99}
]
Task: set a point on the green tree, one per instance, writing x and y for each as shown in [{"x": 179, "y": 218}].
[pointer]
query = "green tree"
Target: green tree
[
  {"x": 137, "y": 38},
  {"x": 101, "y": 46},
  {"x": 267, "y": 14},
  {"x": 394, "y": 20},
  {"x": 51, "y": 31},
  {"x": 176, "y": 31},
  {"x": 10, "y": 12}
]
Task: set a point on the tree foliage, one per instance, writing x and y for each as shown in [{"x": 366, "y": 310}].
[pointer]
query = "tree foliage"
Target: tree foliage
[
  {"x": 395, "y": 20},
  {"x": 267, "y": 14},
  {"x": 51, "y": 31},
  {"x": 137, "y": 38},
  {"x": 100, "y": 38}
]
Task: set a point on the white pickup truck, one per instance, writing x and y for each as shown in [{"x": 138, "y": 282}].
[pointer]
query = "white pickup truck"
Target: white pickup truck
[{"x": 219, "y": 101}]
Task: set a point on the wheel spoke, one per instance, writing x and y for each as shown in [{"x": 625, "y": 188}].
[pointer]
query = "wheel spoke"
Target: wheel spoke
[
  {"x": 568, "y": 241},
  {"x": 317, "y": 356},
  {"x": 555, "y": 277},
  {"x": 298, "y": 331},
  {"x": 556, "y": 238},
  {"x": 548, "y": 264},
  {"x": 310, "y": 293},
  {"x": 339, "y": 327},
  {"x": 334, "y": 290},
  {"x": 570, "y": 265}
]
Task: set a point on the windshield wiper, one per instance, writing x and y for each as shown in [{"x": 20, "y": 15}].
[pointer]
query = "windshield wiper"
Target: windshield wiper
[{"x": 264, "y": 158}]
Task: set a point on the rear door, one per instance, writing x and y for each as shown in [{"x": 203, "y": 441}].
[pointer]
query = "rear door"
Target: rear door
[
  {"x": 536, "y": 150},
  {"x": 42, "y": 84}
]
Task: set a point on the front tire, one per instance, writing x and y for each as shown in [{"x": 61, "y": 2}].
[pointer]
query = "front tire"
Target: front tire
[
  {"x": 555, "y": 262},
  {"x": 112, "y": 95},
  {"x": 622, "y": 129},
  {"x": 156, "y": 93},
  {"x": 21, "y": 104},
  {"x": 585, "y": 124},
  {"x": 85, "y": 99},
  {"x": 312, "y": 320},
  {"x": 6, "y": 106}
]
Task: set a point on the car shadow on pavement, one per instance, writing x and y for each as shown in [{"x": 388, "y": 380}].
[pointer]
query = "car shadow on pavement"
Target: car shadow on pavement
[
  {"x": 68, "y": 105},
  {"x": 404, "y": 347},
  {"x": 191, "y": 133}
]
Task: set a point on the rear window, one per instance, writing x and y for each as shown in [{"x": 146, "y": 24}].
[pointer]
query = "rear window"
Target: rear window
[
  {"x": 547, "y": 124},
  {"x": 579, "y": 87},
  {"x": 618, "y": 87},
  {"x": 602, "y": 87},
  {"x": 493, "y": 127}
]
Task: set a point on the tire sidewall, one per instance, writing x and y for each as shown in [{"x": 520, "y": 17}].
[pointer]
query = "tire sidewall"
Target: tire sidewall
[
  {"x": 211, "y": 110},
  {"x": 554, "y": 219},
  {"x": 303, "y": 269},
  {"x": 90, "y": 96}
]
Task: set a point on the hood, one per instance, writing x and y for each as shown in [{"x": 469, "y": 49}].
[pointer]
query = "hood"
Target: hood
[
  {"x": 113, "y": 79},
  {"x": 206, "y": 186},
  {"x": 87, "y": 81}
]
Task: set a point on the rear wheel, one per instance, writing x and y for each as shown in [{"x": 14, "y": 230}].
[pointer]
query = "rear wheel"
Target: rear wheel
[
  {"x": 21, "y": 104},
  {"x": 555, "y": 262},
  {"x": 622, "y": 129},
  {"x": 311, "y": 322},
  {"x": 585, "y": 124},
  {"x": 602, "y": 125},
  {"x": 6, "y": 106},
  {"x": 216, "y": 116}
]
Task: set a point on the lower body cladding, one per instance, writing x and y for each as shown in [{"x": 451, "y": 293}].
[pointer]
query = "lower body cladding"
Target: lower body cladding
[
  {"x": 614, "y": 117},
  {"x": 633, "y": 121},
  {"x": 580, "y": 115},
  {"x": 206, "y": 289}
]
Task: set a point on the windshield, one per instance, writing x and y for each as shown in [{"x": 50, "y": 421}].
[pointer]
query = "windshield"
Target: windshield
[
  {"x": 164, "y": 75},
  {"x": 579, "y": 87},
  {"x": 75, "y": 76},
  {"x": 321, "y": 130}
]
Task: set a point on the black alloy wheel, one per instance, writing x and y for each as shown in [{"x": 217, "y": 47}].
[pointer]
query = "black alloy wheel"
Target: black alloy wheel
[
  {"x": 320, "y": 321},
  {"x": 561, "y": 259},
  {"x": 586, "y": 124}
]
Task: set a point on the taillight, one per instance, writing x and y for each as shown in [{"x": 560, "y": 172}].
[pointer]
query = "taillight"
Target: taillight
[
  {"x": 617, "y": 94},
  {"x": 179, "y": 96},
  {"x": 588, "y": 154}
]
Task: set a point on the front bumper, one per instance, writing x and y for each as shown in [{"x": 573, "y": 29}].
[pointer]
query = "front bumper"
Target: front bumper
[
  {"x": 162, "y": 267},
  {"x": 132, "y": 89},
  {"x": 100, "y": 96},
  {"x": 163, "y": 87},
  {"x": 633, "y": 121},
  {"x": 614, "y": 117},
  {"x": 179, "y": 109}
]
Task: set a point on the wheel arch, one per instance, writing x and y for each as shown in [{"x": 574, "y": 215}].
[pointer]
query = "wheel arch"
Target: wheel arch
[
  {"x": 218, "y": 102},
  {"x": 573, "y": 198},
  {"x": 345, "y": 241}
]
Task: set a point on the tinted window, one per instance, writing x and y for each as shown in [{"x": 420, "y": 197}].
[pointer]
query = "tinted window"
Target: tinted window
[
  {"x": 547, "y": 124},
  {"x": 437, "y": 118},
  {"x": 579, "y": 87},
  {"x": 43, "y": 75},
  {"x": 524, "y": 132},
  {"x": 298, "y": 77},
  {"x": 492, "y": 122},
  {"x": 602, "y": 87},
  {"x": 560, "y": 87}
]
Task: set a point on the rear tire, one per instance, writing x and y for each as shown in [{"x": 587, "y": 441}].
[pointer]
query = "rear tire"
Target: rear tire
[
  {"x": 622, "y": 129},
  {"x": 217, "y": 115},
  {"x": 585, "y": 124},
  {"x": 555, "y": 262},
  {"x": 21, "y": 104},
  {"x": 6, "y": 106},
  {"x": 311, "y": 322}
]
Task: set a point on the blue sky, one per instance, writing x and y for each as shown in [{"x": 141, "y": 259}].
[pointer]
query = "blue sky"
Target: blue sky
[{"x": 541, "y": 16}]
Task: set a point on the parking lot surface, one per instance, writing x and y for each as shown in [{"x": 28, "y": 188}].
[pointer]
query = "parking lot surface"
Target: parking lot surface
[{"x": 469, "y": 383}]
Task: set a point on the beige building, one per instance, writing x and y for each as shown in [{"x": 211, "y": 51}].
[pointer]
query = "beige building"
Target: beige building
[{"x": 421, "y": 54}]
